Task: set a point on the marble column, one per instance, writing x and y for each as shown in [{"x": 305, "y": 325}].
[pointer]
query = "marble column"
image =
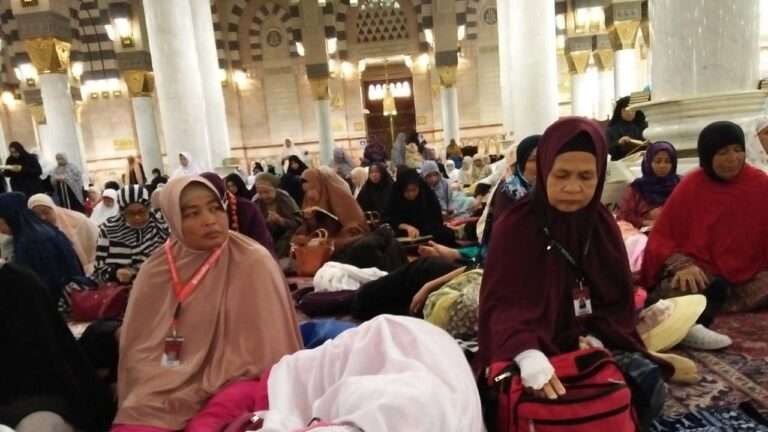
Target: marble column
[
  {"x": 449, "y": 104},
  {"x": 528, "y": 50},
  {"x": 60, "y": 117},
  {"x": 179, "y": 85},
  {"x": 205, "y": 41},
  {"x": 323, "y": 115},
  {"x": 140, "y": 85},
  {"x": 698, "y": 80},
  {"x": 625, "y": 72},
  {"x": 623, "y": 19},
  {"x": 578, "y": 52},
  {"x": 603, "y": 56}
]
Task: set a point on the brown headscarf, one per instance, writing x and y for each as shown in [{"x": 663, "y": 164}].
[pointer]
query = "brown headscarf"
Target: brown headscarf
[
  {"x": 335, "y": 197},
  {"x": 237, "y": 322}
]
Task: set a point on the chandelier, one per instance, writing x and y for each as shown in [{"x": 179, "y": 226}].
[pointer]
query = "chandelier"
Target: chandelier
[{"x": 379, "y": 4}]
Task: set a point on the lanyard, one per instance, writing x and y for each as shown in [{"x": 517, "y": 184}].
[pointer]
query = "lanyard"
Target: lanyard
[
  {"x": 568, "y": 257},
  {"x": 183, "y": 291}
]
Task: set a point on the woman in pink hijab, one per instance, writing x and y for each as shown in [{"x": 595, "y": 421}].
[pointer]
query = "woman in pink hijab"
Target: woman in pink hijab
[{"x": 210, "y": 309}]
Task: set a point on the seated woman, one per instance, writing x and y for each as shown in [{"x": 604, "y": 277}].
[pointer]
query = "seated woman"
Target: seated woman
[
  {"x": 713, "y": 233},
  {"x": 481, "y": 167},
  {"x": 326, "y": 191},
  {"x": 38, "y": 246},
  {"x": 236, "y": 185},
  {"x": 80, "y": 231},
  {"x": 414, "y": 209},
  {"x": 283, "y": 215},
  {"x": 625, "y": 127},
  {"x": 244, "y": 216},
  {"x": 645, "y": 197},
  {"x": 452, "y": 203},
  {"x": 106, "y": 208},
  {"x": 126, "y": 241},
  {"x": 551, "y": 249},
  {"x": 229, "y": 318},
  {"x": 375, "y": 194},
  {"x": 48, "y": 384}
]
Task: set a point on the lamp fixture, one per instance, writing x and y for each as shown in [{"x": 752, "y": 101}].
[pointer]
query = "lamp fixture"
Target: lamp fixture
[
  {"x": 8, "y": 98},
  {"x": 120, "y": 28},
  {"x": 77, "y": 69},
  {"x": 240, "y": 78},
  {"x": 102, "y": 88},
  {"x": 300, "y": 49},
  {"x": 331, "y": 44},
  {"x": 429, "y": 36},
  {"x": 461, "y": 32},
  {"x": 28, "y": 73}
]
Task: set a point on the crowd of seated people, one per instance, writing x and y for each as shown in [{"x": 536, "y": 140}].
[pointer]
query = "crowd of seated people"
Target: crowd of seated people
[{"x": 210, "y": 331}]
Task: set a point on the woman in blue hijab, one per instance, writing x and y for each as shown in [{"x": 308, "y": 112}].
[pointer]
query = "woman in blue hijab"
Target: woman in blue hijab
[{"x": 37, "y": 245}]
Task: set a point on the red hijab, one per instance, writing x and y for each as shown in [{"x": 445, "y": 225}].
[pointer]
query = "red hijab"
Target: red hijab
[{"x": 526, "y": 299}]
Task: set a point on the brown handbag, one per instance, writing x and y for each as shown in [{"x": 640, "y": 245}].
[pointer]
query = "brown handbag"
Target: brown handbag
[{"x": 309, "y": 257}]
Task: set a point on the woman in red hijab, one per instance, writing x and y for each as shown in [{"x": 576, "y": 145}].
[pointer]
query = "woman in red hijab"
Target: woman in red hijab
[
  {"x": 528, "y": 298},
  {"x": 712, "y": 236}
]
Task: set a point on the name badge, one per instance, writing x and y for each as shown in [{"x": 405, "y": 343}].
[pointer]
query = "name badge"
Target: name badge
[
  {"x": 172, "y": 351},
  {"x": 582, "y": 302}
]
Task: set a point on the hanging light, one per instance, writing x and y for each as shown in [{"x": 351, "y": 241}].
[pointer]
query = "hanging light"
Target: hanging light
[
  {"x": 331, "y": 44},
  {"x": 429, "y": 36},
  {"x": 8, "y": 98},
  {"x": 300, "y": 49},
  {"x": 77, "y": 69},
  {"x": 27, "y": 72},
  {"x": 389, "y": 102},
  {"x": 240, "y": 78},
  {"x": 461, "y": 32}
]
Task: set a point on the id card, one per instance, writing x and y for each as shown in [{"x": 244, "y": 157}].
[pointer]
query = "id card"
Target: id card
[
  {"x": 172, "y": 351},
  {"x": 582, "y": 302}
]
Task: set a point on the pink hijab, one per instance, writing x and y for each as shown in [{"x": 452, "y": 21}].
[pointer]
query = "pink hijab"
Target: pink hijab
[{"x": 236, "y": 323}]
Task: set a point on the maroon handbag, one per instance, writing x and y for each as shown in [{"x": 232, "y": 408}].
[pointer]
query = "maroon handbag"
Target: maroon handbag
[{"x": 107, "y": 301}]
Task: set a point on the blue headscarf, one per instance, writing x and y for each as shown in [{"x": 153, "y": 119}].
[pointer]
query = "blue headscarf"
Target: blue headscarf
[
  {"x": 39, "y": 246},
  {"x": 654, "y": 189}
]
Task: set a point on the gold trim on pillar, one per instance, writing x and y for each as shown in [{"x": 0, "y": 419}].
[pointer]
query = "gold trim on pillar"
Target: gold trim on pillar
[
  {"x": 48, "y": 54},
  {"x": 38, "y": 113},
  {"x": 578, "y": 61},
  {"x": 319, "y": 87},
  {"x": 140, "y": 83},
  {"x": 447, "y": 75},
  {"x": 604, "y": 59},
  {"x": 624, "y": 34}
]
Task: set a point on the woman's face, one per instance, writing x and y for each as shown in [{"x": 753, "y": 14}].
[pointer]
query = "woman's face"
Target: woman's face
[
  {"x": 478, "y": 163},
  {"x": 311, "y": 194},
  {"x": 374, "y": 175},
  {"x": 183, "y": 160},
  {"x": 4, "y": 228},
  {"x": 109, "y": 202},
  {"x": 411, "y": 192},
  {"x": 266, "y": 193},
  {"x": 136, "y": 215},
  {"x": 661, "y": 164},
  {"x": 294, "y": 165},
  {"x": 729, "y": 161},
  {"x": 572, "y": 182},
  {"x": 45, "y": 213},
  {"x": 204, "y": 222},
  {"x": 61, "y": 160},
  {"x": 232, "y": 187},
  {"x": 627, "y": 115},
  {"x": 14, "y": 151},
  {"x": 530, "y": 168},
  {"x": 432, "y": 179}
]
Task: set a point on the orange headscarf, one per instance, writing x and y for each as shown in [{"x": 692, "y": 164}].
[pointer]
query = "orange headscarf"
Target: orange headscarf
[
  {"x": 237, "y": 322},
  {"x": 336, "y": 198}
]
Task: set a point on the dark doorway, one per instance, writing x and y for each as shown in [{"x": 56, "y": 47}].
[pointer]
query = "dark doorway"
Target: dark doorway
[{"x": 385, "y": 128}]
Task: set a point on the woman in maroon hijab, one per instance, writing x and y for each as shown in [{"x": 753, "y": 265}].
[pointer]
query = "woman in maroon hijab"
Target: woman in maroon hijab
[{"x": 550, "y": 249}]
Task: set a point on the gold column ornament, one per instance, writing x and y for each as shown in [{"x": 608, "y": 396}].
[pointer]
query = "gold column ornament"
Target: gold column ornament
[
  {"x": 140, "y": 83},
  {"x": 38, "y": 113},
  {"x": 604, "y": 59},
  {"x": 319, "y": 88},
  {"x": 48, "y": 54},
  {"x": 624, "y": 34},
  {"x": 447, "y": 75},
  {"x": 578, "y": 61}
]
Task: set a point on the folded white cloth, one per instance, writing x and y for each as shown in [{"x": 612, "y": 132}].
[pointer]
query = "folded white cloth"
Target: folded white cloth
[
  {"x": 335, "y": 276},
  {"x": 535, "y": 368}
]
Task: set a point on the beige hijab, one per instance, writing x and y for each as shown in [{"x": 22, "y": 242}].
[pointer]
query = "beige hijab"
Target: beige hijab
[
  {"x": 237, "y": 322},
  {"x": 336, "y": 198},
  {"x": 80, "y": 230}
]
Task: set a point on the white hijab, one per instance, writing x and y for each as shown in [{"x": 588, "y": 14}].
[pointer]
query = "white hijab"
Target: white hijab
[
  {"x": 192, "y": 169},
  {"x": 756, "y": 154},
  {"x": 389, "y": 374},
  {"x": 101, "y": 212}
]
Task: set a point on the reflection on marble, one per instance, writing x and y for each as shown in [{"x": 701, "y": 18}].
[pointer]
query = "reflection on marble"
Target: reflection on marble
[{"x": 704, "y": 47}]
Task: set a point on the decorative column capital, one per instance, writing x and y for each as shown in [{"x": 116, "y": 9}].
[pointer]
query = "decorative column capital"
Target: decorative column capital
[
  {"x": 604, "y": 59},
  {"x": 623, "y": 34},
  {"x": 319, "y": 87},
  {"x": 447, "y": 74},
  {"x": 623, "y": 20},
  {"x": 578, "y": 51},
  {"x": 48, "y": 54},
  {"x": 140, "y": 83}
]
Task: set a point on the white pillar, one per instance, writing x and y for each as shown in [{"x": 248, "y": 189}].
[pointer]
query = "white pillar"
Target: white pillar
[
  {"x": 625, "y": 70},
  {"x": 529, "y": 76},
  {"x": 205, "y": 41},
  {"x": 178, "y": 81},
  {"x": 581, "y": 95},
  {"x": 449, "y": 97},
  {"x": 60, "y": 118},
  {"x": 324, "y": 130},
  {"x": 146, "y": 131},
  {"x": 607, "y": 94}
]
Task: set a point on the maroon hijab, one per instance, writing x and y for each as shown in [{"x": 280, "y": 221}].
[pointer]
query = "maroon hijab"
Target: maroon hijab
[{"x": 526, "y": 299}]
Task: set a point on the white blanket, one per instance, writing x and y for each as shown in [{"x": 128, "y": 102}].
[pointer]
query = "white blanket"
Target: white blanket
[
  {"x": 335, "y": 276},
  {"x": 390, "y": 374}
]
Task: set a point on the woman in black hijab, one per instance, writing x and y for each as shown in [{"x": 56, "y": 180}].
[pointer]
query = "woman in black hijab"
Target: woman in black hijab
[
  {"x": 414, "y": 209},
  {"x": 24, "y": 170},
  {"x": 236, "y": 185},
  {"x": 43, "y": 367},
  {"x": 291, "y": 180},
  {"x": 625, "y": 125},
  {"x": 377, "y": 190}
]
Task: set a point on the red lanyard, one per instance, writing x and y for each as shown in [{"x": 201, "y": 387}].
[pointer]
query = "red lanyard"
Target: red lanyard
[{"x": 183, "y": 291}]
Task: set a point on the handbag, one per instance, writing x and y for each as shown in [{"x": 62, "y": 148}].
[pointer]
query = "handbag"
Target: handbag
[
  {"x": 107, "y": 301},
  {"x": 597, "y": 397},
  {"x": 308, "y": 258}
]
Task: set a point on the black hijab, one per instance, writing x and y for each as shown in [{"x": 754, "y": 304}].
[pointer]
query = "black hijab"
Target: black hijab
[
  {"x": 242, "y": 189},
  {"x": 424, "y": 212},
  {"x": 524, "y": 150},
  {"x": 714, "y": 137},
  {"x": 376, "y": 196},
  {"x": 299, "y": 171}
]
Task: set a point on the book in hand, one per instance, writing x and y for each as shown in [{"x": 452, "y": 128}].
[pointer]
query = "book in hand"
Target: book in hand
[
  {"x": 323, "y": 218},
  {"x": 321, "y": 212},
  {"x": 414, "y": 241}
]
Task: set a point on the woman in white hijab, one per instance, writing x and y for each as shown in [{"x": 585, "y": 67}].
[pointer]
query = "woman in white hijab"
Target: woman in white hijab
[
  {"x": 106, "y": 208},
  {"x": 187, "y": 166},
  {"x": 465, "y": 176},
  {"x": 757, "y": 146}
]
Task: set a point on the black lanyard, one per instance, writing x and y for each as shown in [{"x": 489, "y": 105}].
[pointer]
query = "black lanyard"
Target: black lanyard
[{"x": 580, "y": 277}]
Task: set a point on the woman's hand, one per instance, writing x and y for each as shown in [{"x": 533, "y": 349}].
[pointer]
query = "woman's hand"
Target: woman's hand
[
  {"x": 690, "y": 279},
  {"x": 624, "y": 140},
  {"x": 274, "y": 218},
  {"x": 411, "y": 231},
  {"x": 418, "y": 302},
  {"x": 551, "y": 390},
  {"x": 124, "y": 275}
]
